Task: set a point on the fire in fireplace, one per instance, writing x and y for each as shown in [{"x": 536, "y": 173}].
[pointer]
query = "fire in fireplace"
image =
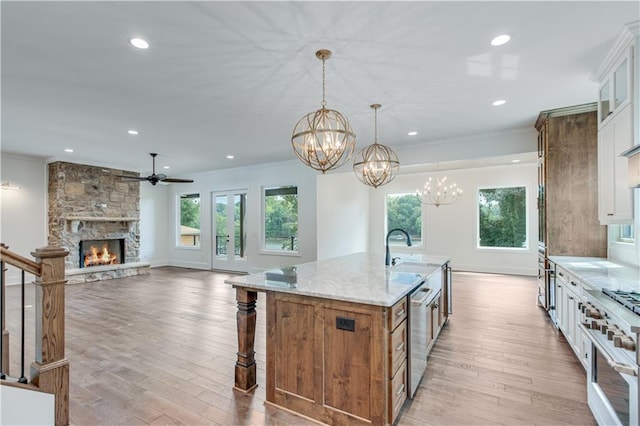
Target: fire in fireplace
[{"x": 101, "y": 252}]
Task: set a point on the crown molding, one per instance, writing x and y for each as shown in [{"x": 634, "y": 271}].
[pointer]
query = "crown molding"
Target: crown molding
[{"x": 623, "y": 41}]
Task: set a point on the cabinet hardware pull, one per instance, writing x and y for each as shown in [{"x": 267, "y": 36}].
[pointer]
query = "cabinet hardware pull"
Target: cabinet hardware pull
[
  {"x": 573, "y": 283},
  {"x": 400, "y": 312},
  {"x": 561, "y": 274},
  {"x": 609, "y": 214},
  {"x": 400, "y": 390},
  {"x": 400, "y": 347}
]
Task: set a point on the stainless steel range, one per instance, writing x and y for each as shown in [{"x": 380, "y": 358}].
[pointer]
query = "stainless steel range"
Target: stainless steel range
[{"x": 611, "y": 322}]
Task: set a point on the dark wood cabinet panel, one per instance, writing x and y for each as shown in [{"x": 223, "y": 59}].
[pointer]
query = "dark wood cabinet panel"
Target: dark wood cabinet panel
[
  {"x": 295, "y": 348},
  {"x": 568, "y": 212}
]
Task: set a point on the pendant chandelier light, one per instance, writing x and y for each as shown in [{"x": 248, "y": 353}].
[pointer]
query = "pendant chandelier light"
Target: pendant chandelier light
[
  {"x": 323, "y": 140},
  {"x": 439, "y": 193},
  {"x": 376, "y": 164}
]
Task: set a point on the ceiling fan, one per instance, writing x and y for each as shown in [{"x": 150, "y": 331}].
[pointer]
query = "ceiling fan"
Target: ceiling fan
[{"x": 154, "y": 178}]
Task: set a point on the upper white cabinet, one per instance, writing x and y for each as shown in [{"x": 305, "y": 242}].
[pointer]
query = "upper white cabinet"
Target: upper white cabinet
[
  {"x": 618, "y": 125},
  {"x": 615, "y": 197}
]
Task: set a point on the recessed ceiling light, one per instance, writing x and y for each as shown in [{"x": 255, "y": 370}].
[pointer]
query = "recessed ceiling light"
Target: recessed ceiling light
[
  {"x": 68, "y": 150},
  {"x": 499, "y": 102},
  {"x": 515, "y": 161},
  {"x": 413, "y": 133},
  {"x": 166, "y": 167},
  {"x": 230, "y": 157},
  {"x": 132, "y": 132},
  {"x": 139, "y": 43},
  {"x": 500, "y": 40}
]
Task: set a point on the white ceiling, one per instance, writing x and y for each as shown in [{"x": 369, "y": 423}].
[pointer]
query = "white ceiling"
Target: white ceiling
[{"x": 234, "y": 77}]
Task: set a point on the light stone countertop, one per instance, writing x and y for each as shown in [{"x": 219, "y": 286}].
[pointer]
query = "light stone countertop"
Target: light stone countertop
[
  {"x": 360, "y": 278},
  {"x": 599, "y": 272}
]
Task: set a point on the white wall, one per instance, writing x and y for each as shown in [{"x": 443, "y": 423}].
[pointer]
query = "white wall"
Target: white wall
[
  {"x": 343, "y": 215},
  {"x": 154, "y": 217},
  {"x": 452, "y": 230},
  {"x": 471, "y": 147},
  {"x": 253, "y": 179},
  {"x": 23, "y": 212}
]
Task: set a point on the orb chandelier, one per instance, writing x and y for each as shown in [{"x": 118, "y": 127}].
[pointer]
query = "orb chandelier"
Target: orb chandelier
[
  {"x": 323, "y": 140},
  {"x": 376, "y": 164},
  {"x": 439, "y": 193}
]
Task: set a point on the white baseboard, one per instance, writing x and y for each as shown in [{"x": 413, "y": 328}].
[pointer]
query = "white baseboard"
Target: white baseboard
[{"x": 193, "y": 265}]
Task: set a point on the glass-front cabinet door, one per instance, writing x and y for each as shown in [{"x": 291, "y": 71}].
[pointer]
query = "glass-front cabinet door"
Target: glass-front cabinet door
[
  {"x": 621, "y": 84},
  {"x": 605, "y": 101},
  {"x": 615, "y": 90}
]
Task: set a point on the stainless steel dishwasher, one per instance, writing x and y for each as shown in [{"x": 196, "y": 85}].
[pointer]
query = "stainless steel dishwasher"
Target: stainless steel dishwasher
[{"x": 420, "y": 328}]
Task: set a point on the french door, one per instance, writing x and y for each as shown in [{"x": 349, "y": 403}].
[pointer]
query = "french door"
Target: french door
[{"x": 229, "y": 230}]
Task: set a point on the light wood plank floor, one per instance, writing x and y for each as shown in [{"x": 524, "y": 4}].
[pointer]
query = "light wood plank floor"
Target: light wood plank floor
[{"x": 160, "y": 349}]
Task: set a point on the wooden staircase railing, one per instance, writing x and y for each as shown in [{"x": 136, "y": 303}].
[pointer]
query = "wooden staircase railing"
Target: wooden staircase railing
[{"x": 50, "y": 369}]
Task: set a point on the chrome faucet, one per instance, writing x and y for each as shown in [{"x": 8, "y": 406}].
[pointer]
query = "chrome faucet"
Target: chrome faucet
[{"x": 387, "y": 257}]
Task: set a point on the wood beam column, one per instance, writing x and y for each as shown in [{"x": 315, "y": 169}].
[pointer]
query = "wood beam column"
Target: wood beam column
[{"x": 245, "y": 371}]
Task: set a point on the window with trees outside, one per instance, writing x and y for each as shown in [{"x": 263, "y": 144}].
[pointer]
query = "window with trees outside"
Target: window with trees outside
[
  {"x": 281, "y": 219},
  {"x": 189, "y": 220},
  {"x": 502, "y": 218},
  {"x": 404, "y": 211}
]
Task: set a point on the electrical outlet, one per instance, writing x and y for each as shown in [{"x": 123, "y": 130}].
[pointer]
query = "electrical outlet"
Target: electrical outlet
[{"x": 348, "y": 324}]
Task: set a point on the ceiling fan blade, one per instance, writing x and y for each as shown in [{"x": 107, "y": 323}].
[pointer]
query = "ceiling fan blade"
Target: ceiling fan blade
[
  {"x": 171, "y": 180},
  {"x": 132, "y": 178}
]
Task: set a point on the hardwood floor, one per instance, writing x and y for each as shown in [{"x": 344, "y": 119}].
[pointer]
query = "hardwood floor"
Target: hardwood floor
[{"x": 160, "y": 349}]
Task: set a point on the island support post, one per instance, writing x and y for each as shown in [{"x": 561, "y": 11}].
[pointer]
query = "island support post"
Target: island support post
[{"x": 245, "y": 371}]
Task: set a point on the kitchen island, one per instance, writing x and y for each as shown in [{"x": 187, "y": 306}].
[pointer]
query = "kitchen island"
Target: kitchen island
[{"x": 337, "y": 334}]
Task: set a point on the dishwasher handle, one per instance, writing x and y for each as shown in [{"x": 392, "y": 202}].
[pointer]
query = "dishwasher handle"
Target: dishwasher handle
[{"x": 424, "y": 298}]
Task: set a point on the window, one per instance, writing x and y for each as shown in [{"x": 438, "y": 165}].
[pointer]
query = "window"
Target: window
[
  {"x": 189, "y": 220},
  {"x": 281, "y": 219},
  {"x": 502, "y": 219},
  {"x": 404, "y": 211},
  {"x": 624, "y": 233}
]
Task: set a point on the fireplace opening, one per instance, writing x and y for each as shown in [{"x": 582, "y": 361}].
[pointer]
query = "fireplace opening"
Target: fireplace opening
[{"x": 101, "y": 252}]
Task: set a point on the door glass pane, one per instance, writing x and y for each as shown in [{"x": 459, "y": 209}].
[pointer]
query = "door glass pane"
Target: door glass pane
[
  {"x": 620, "y": 84},
  {"x": 605, "y": 96},
  {"x": 221, "y": 225},
  {"x": 239, "y": 224}
]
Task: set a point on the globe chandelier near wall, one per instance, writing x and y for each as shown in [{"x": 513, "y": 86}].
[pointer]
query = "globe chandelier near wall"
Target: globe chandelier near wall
[
  {"x": 376, "y": 164},
  {"x": 323, "y": 140},
  {"x": 439, "y": 193}
]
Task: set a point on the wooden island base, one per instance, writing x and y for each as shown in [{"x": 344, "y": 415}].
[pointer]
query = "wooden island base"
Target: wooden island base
[{"x": 328, "y": 360}]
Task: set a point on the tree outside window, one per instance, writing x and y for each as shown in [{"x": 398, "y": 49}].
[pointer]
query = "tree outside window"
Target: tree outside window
[
  {"x": 502, "y": 217},
  {"x": 281, "y": 219},
  {"x": 404, "y": 211},
  {"x": 189, "y": 220}
]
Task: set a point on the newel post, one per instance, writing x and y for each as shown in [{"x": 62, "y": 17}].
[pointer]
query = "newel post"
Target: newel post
[
  {"x": 5, "y": 333},
  {"x": 50, "y": 370}
]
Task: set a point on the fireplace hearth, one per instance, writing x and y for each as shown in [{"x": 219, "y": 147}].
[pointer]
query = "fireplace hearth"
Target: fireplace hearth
[{"x": 102, "y": 252}]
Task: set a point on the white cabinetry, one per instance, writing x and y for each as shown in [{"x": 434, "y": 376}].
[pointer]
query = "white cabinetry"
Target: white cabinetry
[
  {"x": 615, "y": 198},
  {"x": 618, "y": 125},
  {"x": 568, "y": 310}
]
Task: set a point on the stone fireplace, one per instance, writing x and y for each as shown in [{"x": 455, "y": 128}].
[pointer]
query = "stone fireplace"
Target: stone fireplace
[{"x": 91, "y": 207}]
